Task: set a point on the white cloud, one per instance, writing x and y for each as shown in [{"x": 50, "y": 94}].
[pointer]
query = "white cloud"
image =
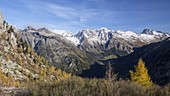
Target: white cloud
[
  {"x": 70, "y": 12},
  {"x": 61, "y": 11}
]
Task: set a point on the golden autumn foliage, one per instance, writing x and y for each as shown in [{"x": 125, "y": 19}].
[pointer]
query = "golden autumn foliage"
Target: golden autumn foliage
[
  {"x": 141, "y": 76},
  {"x": 8, "y": 80}
]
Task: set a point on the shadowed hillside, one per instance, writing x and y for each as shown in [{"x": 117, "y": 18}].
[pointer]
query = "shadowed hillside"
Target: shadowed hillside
[{"x": 155, "y": 55}]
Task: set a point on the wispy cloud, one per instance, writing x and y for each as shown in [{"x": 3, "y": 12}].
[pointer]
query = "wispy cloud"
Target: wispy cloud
[
  {"x": 71, "y": 13},
  {"x": 76, "y": 13},
  {"x": 61, "y": 11}
]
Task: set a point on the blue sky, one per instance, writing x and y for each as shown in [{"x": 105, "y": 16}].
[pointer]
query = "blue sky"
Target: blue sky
[{"x": 75, "y": 15}]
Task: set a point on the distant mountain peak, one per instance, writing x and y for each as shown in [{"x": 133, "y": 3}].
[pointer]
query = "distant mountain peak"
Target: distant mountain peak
[
  {"x": 94, "y": 32},
  {"x": 104, "y": 29},
  {"x": 148, "y": 31},
  {"x": 41, "y": 29},
  {"x": 153, "y": 32},
  {"x": 29, "y": 28}
]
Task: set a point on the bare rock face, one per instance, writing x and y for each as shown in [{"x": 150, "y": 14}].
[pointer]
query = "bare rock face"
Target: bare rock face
[{"x": 1, "y": 20}]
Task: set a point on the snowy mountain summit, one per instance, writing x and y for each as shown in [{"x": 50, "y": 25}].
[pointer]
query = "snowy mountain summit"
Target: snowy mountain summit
[
  {"x": 103, "y": 35},
  {"x": 105, "y": 39},
  {"x": 156, "y": 33}
]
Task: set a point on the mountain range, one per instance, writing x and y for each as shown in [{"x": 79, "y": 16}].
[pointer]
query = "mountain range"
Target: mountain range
[{"x": 69, "y": 52}]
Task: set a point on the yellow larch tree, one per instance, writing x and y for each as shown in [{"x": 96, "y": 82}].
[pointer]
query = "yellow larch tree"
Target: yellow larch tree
[{"x": 141, "y": 76}]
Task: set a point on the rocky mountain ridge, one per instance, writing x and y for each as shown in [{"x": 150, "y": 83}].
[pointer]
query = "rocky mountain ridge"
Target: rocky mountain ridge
[
  {"x": 97, "y": 41},
  {"x": 58, "y": 50}
]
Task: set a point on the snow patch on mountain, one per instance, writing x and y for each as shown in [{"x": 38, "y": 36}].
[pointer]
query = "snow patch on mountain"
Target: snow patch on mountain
[
  {"x": 71, "y": 37},
  {"x": 59, "y": 31},
  {"x": 68, "y": 35},
  {"x": 128, "y": 35}
]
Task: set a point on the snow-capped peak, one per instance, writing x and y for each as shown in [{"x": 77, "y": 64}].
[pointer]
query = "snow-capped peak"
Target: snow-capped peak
[
  {"x": 68, "y": 35},
  {"x": 156, "y": 33},
  {"x": 103, "y": 35},
  {"x": 105, "y": 29},
  {"x": 95, "y": 35},
  {"x": 148, "y": 31}
]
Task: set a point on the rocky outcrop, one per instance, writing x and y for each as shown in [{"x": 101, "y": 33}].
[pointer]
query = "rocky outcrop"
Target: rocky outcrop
[
  {"x": 10, "y": 58},
  {"x": 3, "y": 24},
  {"x": 1, "y": 20}
]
